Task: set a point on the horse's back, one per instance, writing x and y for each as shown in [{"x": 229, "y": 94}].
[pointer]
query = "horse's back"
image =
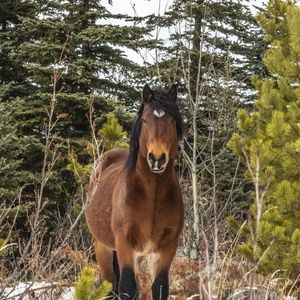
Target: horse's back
[{"x": 107, "y": 171}]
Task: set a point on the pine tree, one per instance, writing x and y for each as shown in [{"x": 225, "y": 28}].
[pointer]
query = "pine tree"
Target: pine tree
[
  {"x": 112, "y": 133},
  {"x": 70, "y": 36},
  {"x": 269, "y": 139},
  {"x": 13, "y": 150},
  {"x": 92, "y": 68},
  {"x": 221, "y": 32},
  {"x": 86, "y": 289}
]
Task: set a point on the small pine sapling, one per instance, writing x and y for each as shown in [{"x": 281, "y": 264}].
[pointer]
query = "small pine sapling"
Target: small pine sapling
[{"x": 85, "y": 289}]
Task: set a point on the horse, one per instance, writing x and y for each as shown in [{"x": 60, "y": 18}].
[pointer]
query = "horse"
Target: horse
[{"x": 135, "y": 206}]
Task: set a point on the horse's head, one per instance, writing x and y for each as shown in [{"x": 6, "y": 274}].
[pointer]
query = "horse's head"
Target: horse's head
[{"x": 161, "y": 127}]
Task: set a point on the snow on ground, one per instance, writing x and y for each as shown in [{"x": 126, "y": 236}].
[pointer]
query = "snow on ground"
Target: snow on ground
[{"x": 38, "y": 290}]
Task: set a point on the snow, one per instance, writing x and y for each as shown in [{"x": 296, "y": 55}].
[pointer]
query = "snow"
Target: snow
[{"x": 38, "y": 290}]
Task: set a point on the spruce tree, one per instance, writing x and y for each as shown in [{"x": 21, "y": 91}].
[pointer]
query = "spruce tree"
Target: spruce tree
[
  {"x": 14, "y": 150},
  {"x": 17, "y": 181},
  {"x": 112, "y": 133},
  {"x": 70, "y": 38},
  {"x": 269, "y": 139},
  {"x": 13, "y": 74},
  {"x": 221, "y": 32}
]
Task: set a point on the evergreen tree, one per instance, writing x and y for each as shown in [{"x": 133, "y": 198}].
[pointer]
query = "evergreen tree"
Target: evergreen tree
[
  {"x": 90, "y": 66},
  {"x": 269, "y": 138},
  {"x": 86, "y": 289},
  {"x": 221, "y": 32},
  {"x": 112, "y": 133},
  {"x": 14, "y": 150},
  {"x": 13, "y": 74},
  {"x": 69, "y": 37},
  {"x": 16, "y": 181}
]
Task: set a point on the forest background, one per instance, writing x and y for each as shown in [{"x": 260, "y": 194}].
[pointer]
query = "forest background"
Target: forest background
[{"x": 71, "y": 79}]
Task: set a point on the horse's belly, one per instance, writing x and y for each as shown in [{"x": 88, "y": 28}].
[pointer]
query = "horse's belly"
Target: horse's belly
[
  {"x": 99, "y": 210},
  {"x": 98, "y": 217}
]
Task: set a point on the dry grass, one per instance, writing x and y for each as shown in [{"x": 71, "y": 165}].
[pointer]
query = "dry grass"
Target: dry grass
[{"x": 231, "y": 283}]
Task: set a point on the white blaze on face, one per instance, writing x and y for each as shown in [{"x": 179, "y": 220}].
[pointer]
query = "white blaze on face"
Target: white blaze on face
[{"x": 158, "y": 113}]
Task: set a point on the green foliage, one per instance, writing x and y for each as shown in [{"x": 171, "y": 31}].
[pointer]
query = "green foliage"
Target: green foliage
[
  {"x": 272, "y": 134},
  {"x": 113, "y": 134},
  {"x": 85, "y": 288},
  {"x": 239, "y": 228},
  {"x": 14, "y": 149},
  {"x": 246, "y": 249},
  {"x": 81, "y": 172},
  {"x": 13, "y": 74}
]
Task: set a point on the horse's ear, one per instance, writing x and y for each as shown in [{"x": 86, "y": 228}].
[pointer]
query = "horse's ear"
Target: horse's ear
[
  {"x": 147, "y": 93},
  {"x": 173, "y": 92}
]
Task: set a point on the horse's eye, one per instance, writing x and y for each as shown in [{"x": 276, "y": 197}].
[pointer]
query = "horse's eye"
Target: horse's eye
[{"x": 143, "y": 119}]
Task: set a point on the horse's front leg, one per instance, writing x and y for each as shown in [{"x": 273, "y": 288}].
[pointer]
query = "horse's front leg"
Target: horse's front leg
[
  {"x": 127, "y": 284},
  {"x": 161, "y": 267}
]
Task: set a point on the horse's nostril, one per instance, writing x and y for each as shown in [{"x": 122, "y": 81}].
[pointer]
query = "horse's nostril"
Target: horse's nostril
[
  {"x": 162, "y": 159},
  {"x": 151, "y": 157},
  {"x": 157, "y": 163}
]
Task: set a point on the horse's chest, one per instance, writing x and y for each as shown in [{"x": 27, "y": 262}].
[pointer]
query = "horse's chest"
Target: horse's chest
[
  {"x": 152, "y": 219},
  {"x": 146, "y": 239}
]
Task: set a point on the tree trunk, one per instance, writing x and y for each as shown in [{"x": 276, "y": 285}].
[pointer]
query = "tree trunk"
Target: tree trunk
[{"x": 195, "y": 80}]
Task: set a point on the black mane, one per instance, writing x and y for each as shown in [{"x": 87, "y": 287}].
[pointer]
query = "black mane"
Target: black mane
[{"x": 159, "y": 101}]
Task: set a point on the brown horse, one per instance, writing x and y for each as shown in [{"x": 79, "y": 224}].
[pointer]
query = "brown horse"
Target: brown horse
[{"x": 135, "y": 206}]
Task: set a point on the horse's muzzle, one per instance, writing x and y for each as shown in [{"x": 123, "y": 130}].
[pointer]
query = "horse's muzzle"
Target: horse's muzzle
[{"x": 157, "y": 165}]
